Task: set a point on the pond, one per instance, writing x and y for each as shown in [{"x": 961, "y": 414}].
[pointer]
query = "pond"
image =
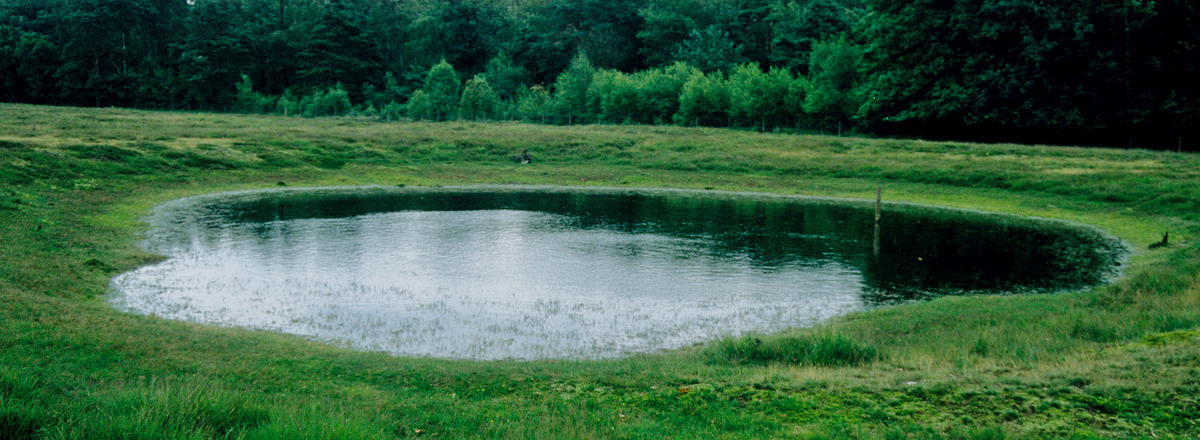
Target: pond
[{"x": 544, "y": 273}]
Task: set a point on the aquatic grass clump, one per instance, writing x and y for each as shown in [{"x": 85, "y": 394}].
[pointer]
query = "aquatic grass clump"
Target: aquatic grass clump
[
  {"x": 1174, "y": 277},
  {"x": 833, "y": 350},
  {"x": 1161, "y": 298}
]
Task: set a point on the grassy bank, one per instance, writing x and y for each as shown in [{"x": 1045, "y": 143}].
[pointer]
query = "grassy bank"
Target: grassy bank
[{"x": 1120, "y": 361}]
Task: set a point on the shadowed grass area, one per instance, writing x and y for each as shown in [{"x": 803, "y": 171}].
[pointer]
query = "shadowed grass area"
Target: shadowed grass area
[
  {"x": 21, "y": 416},
  {"x": 1117, "y": 361},
  {"x": 824, "y": 351}
]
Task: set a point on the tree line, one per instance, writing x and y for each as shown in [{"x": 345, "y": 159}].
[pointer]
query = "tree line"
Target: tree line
[{"x": 1103, "y": 72}]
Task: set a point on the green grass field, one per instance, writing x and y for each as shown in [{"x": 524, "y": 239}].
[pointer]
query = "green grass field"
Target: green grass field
[{"x": 1119, "y": 361}]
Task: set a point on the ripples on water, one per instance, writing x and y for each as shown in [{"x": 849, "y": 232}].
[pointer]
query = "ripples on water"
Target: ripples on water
[{"x": 585, "y": 277}]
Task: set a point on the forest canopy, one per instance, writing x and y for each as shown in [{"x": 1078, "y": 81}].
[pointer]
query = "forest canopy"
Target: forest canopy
[{"x": 1099, "y": 72}]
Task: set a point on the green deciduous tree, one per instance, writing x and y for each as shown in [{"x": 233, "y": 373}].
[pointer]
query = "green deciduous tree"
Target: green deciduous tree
[
  {"x": 214, "y": 53},
  {"x": 288, "y": 104},
  {"x": 442, "y": 87},
  {"x": 704, "y": 100},
  {"x": 419, "y": 106},
  {"x": 27, "y": 64},
  {"x": 1010, "y": 69},
  {"x": 660, "y": 90},
  {"x": 646, "y": 97},
  {"x": 12, "y": 84},
  {"x": 466, "y": 33},
  {"x": 571, "y": 90},
  {"x": 1115, "y": 72},
  {"x": 247, "y": 98},
  {"x": 618, "y": 97},
  {"x": 332, "y": 101},
  {"x": 761, "y": 99},
  {"x": 611, "y": 97},
  {"x": 710, "y": 50},
  {"x": 338, "y": 50},
  {"x": 751, "y": 30},
  {"x": 479, "y": 100},
  {"x": 1174, "y": 36},
  {"x": 666, "y": 23},
  {"x": 391, "y": 112},
  {"x": 101, "y": 49},
  {"x": 835, "y": 75},
  {"x": 797, "y": 26},
  {"x": 380, "y": 97},
  {"x": 534, "y": 104},
  {"x": 505, "y": 76},
  {"x": 605, "y": 30},
  {"x": 37, "y": 58}
]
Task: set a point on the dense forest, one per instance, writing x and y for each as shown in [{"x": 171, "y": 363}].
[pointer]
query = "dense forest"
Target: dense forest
[{"x": 1099, "y": 72}]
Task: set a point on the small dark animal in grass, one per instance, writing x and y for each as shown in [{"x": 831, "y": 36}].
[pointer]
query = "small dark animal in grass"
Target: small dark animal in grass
[
  {"x": 1166, "y": 235},
  {"x": 524, "y": 157}
]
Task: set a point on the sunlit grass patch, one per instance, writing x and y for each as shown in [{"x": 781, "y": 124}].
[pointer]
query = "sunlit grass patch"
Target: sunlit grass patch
[
  {"x": 319, "y": 423},
  {"x": 1175, "y": 337}
]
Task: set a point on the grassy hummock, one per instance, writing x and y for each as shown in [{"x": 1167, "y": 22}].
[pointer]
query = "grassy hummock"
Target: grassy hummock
[{"x": 1116, "y": 361}]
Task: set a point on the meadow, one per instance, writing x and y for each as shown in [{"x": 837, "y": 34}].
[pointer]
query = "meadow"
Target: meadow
[{"x": 1117, "y": 361}]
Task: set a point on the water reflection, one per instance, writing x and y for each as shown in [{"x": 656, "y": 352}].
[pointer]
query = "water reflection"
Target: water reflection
[{"x": 508, "y": 273}]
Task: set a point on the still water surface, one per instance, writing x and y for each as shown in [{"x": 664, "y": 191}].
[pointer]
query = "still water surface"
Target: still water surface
[{"x": 526, "y": 273}]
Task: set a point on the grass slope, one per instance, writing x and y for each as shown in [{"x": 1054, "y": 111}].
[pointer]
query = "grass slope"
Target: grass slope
[{"x": 1120, "y": 361}]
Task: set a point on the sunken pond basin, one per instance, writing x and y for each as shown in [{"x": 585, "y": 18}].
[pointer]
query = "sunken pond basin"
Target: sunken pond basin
[{"x": 546, "y": 273}]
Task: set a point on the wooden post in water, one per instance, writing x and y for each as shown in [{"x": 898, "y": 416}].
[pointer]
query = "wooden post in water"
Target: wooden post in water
[
  {"x": 875, "y": 248},
  {"x": 878, "y": 201}
]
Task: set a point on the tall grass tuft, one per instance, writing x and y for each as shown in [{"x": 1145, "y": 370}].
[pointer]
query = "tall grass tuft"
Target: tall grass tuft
[
  {"x": 17, "y": 385},
  {"x": 844, "y": 432},
  {"x": 159, "y": 411},
  {"x": 826, "y": 350},
  {"x": 19, "y": 417},
  {"x": 318, "y": 424}
]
